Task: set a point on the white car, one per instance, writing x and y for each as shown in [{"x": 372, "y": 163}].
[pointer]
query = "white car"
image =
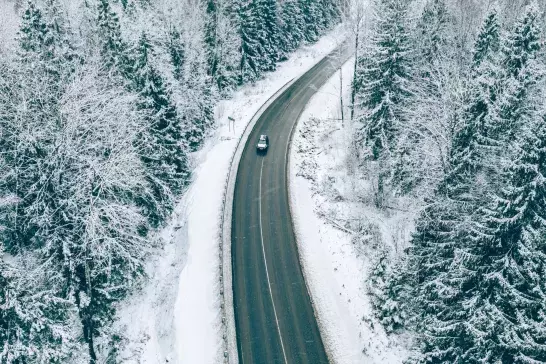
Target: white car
[{"x": 263, "y": 143}]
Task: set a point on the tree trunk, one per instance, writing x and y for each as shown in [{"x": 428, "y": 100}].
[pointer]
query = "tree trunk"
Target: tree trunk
[
  {"x": 89, "y": 339},
  {"x": 353, "y": 88},
  {"x": 341, "y": 94}
]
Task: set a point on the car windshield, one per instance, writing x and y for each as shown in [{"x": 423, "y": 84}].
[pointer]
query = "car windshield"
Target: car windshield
[{"x": 262, "y": 138}]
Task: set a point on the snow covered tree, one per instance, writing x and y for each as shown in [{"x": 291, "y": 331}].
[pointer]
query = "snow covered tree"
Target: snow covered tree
[
  {"x": 177, "y": 51},
  {"x": 507, "y": 298},
  {"x": 311, "y": 15},
  {"x": 488, "y": 39},
  {"x": 29, "y": 108},
  {"x": 45, "y": 43},
  {"x": 292, "y": 25},
  {"x": 198, "y": 94},
  {"x": 432, "y": 36},
  {"x": 88, "y": 222},
  {"x": 520, "y": 49},
  {"x": 228, "y": 46},
  {"x": 384, "y": 69},
  {"x": 468, "y": 152},
  {"x": 211, "y": 36},
  {"x": 524, "y": 42},
  {"x": 113, "y": 48},
  {"x": 36, "y": 324},
  {"x": 33, "y": 29},
  {"x": 385, "y": 288},
  {"x": 268, "y": 28},
  {"x": 430, "y": 111},
  {"x": 254, "y": 59},
  {"x": 330, "y": 13},
  {"x": 164, "y": 156}
]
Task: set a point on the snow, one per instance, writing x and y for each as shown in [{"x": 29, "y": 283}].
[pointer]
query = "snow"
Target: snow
[
  {"x": 339, "y": 234},
  {"x": 9, "y": 24},
  {"x": 176, "y": 317}
]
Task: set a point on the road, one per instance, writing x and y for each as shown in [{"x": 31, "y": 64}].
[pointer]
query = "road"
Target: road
[{"x": 274, "y": 318}]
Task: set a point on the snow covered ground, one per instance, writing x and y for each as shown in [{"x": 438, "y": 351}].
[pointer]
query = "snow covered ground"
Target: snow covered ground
[
  {"x": 339, "y": 235},
  {"x": 176, "y": 316}
]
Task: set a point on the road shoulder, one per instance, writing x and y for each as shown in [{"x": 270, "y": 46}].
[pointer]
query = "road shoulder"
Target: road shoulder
[{"x": 335, "y": 268}]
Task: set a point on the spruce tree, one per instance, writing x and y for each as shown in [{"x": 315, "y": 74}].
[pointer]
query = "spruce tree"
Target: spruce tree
[
  {"x": 254, "y": 59},
  {"x": 177, "y": 51},
  {"x": 268, "y": 28},
  {"x": 488, "y": 39},
  {"x": 44, "y": 50},
  {"x": 468, "y": 152},
  {"x": 519, "y": 51},
  {"x": 330, "y": 14},
  {"x": 524, "y": 42},
  {"x": 228, "y": 47},
  {"x": 33, "y": 29},
  {"x": 507, "y": 298},
  {"x": 433, "y": 33},
  {"x": 384, "y": 69},
  {"x": 311, "y": 15},
  {"x": 211, "y": 36},
  {"x": 292, "y": 26},
  {"x": 164, "y": 158},
  {"x": 113, "y": 48},
  {"x": 442, "y": 235}
]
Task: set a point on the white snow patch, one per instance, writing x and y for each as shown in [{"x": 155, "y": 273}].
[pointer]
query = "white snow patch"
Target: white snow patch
[
  {"x": 176, "y": 317},
  {"x": 327, "y": 212}
]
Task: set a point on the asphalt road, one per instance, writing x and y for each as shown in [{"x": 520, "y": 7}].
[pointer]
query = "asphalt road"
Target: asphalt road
[{"x": 274, "y": 318}]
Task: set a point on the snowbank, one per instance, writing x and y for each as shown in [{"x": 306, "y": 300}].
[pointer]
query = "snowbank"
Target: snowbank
[
  {"x": 325, "y": 210},
  {"x": 177, "y": 316}
]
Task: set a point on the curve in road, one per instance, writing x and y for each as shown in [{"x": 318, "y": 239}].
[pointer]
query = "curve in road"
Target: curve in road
[{"x": 274, "y": 317}]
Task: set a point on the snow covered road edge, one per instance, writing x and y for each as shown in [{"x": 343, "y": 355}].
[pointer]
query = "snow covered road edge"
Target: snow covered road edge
[
  {"x": 225, "y": 229},
  {"x": 329, "y": 347}
]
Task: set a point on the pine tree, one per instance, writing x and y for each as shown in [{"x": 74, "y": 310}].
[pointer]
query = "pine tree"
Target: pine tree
[
  {"x": 228, "y": 48},
  {"x": 433, "y": 33},
  {"x": 488, "y": 41},
  {"x": 30, "y": 128},
  {"x": 254, "y": 59},
  {"x": 197, "y": 110},
  {"x": 383, "y": 72},
  {"x": 164, "y": 158},
  {"x": 330, "y": 14},
  {"x": 268, "y": 28},
  {"x": 507, "y": 300},
  {"x": 45, "y": 43},
  {"x": 460, "y": 319},
  {"x": 211, "y": 36},
  {"x": 292, "y": 26},
  {"x": 113, "y": 48},
  {"x": 177, "y": 51},
  {"x": 519, "y": 52},
  {"x": 468, "y": 152},
  {"x": 385, "y": 289},
  {"x": 524, "y": 42},
  {"x": 33, "y": 30},
  {"x": 311, "y": 15}
]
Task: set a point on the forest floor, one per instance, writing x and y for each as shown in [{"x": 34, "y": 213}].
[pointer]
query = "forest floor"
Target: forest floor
[
  {"x": 176, "y": 316},
  {"x": 340, "y": 233}
]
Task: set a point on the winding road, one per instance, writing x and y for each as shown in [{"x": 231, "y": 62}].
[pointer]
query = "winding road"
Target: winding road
[{"x": 274, "y": 317}]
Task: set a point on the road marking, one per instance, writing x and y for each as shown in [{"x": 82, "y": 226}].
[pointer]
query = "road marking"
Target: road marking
[{"x": 265, "y": 262}]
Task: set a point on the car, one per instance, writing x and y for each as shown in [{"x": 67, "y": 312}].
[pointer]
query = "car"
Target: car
[{"x": 263, "y": 143}]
